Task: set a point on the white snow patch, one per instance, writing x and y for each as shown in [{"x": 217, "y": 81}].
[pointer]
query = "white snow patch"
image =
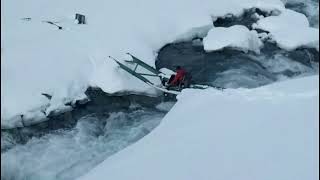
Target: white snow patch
[
  {"x": 165, "y": 72},
  {"x": 165, "y": 106},
  {"x": 198, "y": 32},
  {"x": 290, "y": 30},
  {"x": 237, "y": 36},
  {"x": 33, "y": 117}
]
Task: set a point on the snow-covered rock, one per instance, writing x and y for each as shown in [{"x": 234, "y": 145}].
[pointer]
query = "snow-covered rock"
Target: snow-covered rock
[
  {"x": 266, "y": 133},
  {"x": 237, "y": 37},
  {"x": 290, "y": 30}
]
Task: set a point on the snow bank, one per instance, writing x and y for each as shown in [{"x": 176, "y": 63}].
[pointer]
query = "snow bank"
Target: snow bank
[
  {"x": 266, "y": 133},
  {"x": 237, "y": 36},
  {"x": 290, "y": 30},
  {"x": 37, "y": 57},
  {"x": 308, "y": 7}
]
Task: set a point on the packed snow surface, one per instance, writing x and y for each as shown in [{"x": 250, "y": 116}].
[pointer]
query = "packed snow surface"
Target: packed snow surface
[
  {"x": 237, "y": 36},
  {"x": 290, "y": 30},
  {"x": 266, "y": 133}
]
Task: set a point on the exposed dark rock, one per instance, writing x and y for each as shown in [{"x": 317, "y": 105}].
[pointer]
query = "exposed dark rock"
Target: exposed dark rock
[
  {"x": 304, "y": 55},
  {"x": 47, "y": 95},
  {"x": 246, "y": 19},
  {"x": 81, "y": 18},
  {"x": 296, "y": 6}
]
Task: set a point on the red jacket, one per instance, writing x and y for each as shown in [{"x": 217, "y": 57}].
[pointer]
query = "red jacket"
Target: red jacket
[{"x": 178, "y": 77}]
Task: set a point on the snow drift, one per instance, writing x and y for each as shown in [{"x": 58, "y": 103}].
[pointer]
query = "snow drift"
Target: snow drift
[
  {"x": 290, "y": 30},
  {"x": 270, "y": 132},
  {"x": 237, "y": 37}
]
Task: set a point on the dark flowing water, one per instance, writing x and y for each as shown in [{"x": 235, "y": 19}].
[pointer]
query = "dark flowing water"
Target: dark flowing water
[{"x": 231, "y": 68}]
